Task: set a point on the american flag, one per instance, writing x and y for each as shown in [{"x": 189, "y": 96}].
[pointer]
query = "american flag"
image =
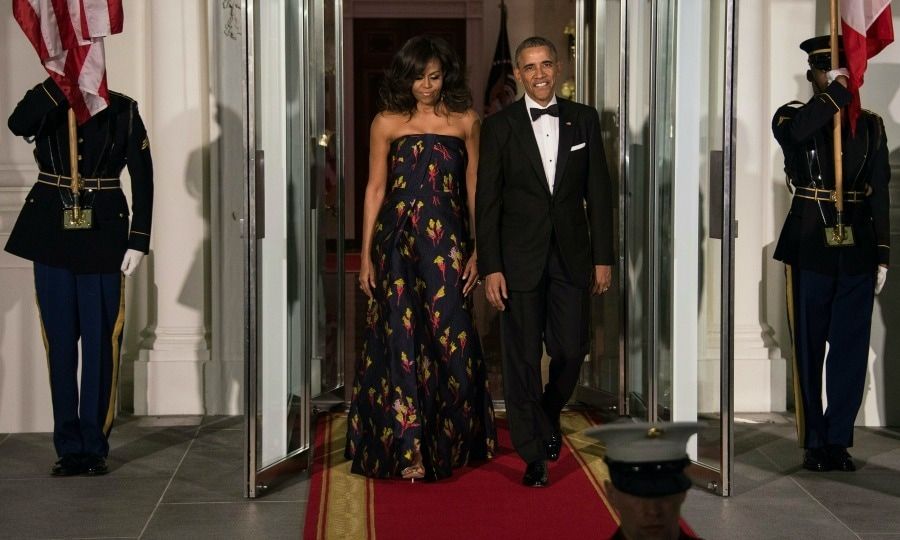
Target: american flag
[
  {"x": 867, "y": 29},
  {"x": 501, "y": 86},
  {"x": 68, "y": 37}
]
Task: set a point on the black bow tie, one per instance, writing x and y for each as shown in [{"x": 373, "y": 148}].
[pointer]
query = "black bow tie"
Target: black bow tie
[{"x": 552, "y": 110}]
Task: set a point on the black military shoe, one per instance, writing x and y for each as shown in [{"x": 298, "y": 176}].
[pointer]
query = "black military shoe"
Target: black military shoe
[
  {"x": 95, "y": 466},
  {"x": 554, "y": 445},
  {"x": 816, "y": 459},
  {"x": 840, "y": 459},
  {"x": 68, "y": 465},
  {"x": 536, "y": 474}
]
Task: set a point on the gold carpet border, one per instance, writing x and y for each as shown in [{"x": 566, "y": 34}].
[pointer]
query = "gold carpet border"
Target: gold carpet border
[
  {"x": 347, "y": 495},
  {"x": 585, "y": 451}
]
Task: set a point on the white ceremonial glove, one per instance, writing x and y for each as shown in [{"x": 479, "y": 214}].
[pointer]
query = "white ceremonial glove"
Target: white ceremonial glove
[
  {"x": 880, "y": 279},
  {"x": 835, "y": 73},
  {"x": 131, "y": 261}
]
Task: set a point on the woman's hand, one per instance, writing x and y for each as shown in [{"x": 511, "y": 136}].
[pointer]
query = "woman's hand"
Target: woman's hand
[
  {"x": 470, "y": 274},
  {"x": 366, "y": 276}
]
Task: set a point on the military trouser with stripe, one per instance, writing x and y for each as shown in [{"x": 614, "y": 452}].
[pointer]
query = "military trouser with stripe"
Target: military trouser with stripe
[
  {"x": 836, "y": 310},
  {"x": 89, "y": 308}
]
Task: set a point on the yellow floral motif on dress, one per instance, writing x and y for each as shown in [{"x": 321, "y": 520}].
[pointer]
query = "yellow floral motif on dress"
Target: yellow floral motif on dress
[
  {"x": 442, "y": 266},
  {"x": 462, "y": 338},
  {"x": 400, "y": 209},
  {"x": 448, "y": 183},
  {"x": 433, "y": 176},
  {"x": 406, "y": 413},
  {"x": 399, "y": 182},
  {"x": 435, "y": 231},
  {"x": 405, "y": 362},
  {"x": 399, "y": 285},
  {"x": 407, "y": 321},
  {"x": 457, "y": 258}
]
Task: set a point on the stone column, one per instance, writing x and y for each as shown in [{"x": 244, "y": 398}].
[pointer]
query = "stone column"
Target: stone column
[{"x": 169, "y": 372}]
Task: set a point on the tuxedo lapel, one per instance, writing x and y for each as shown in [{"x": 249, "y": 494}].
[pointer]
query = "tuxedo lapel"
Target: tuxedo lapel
[
  {"x": 524, "y": 132},
  {"x": 566, "y": 134}
]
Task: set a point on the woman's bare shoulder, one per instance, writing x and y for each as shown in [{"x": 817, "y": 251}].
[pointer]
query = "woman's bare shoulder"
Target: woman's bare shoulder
[{"x": 386, "y": 124}]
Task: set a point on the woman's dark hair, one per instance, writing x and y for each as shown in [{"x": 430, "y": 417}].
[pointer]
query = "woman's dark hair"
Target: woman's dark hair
[{"x": 395, "y": 94}]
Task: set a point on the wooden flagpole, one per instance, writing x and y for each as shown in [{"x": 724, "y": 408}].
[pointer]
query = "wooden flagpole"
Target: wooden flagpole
[
  {"x": 838, "y": 160},
  {"x": 73, "y": 164}
]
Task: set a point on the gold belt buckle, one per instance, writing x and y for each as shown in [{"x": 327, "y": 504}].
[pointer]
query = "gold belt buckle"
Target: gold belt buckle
[
  {"x": 78, "y": 218},
  {"x": 839, "y": 236}
]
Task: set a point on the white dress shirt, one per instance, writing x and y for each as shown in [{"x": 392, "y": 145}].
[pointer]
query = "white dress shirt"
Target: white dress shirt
[{"x": 546, "y": 133}]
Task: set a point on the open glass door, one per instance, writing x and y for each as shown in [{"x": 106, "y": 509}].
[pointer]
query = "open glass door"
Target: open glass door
[
  {"x": 279, "y": 297},
  {"x": 661, "y": 76},
  {"x": 327, "y": 217}
]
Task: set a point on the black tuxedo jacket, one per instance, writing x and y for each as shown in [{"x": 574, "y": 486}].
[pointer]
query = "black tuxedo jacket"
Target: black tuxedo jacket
[{"x": 517, "y": 215}]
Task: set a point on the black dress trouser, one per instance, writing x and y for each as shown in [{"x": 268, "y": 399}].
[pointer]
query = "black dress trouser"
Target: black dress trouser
[{"x": 555, "y": 314}]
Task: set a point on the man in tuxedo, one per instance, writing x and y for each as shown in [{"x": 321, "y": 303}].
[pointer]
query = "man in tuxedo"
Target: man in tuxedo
[{"x": 544, "y": 236}]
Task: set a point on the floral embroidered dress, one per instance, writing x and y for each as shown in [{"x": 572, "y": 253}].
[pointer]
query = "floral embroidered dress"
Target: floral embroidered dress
[{"x": 421, "y": 383}]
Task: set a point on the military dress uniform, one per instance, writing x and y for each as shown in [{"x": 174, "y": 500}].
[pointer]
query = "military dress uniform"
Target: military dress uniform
[
  {"x": 647, "y": 462},
  {"x": 77, "y": 273},
  {"x": 830, "y": 290}
]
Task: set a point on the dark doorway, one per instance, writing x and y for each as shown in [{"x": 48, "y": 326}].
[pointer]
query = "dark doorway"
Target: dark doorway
[{"x": 375, "y": 41}]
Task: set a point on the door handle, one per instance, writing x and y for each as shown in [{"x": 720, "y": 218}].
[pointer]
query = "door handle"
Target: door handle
[{"x": 260, "y": 195}]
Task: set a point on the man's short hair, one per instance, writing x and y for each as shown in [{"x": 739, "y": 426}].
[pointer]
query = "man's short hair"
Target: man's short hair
[{"x": 536, "y": 41}]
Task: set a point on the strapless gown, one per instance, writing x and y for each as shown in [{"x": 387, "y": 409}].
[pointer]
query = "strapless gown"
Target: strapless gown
[{"x": 421, "y": 381}]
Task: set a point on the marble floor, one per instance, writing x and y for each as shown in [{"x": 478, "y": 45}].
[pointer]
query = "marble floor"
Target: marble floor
[{"x": 180, "y": 477}]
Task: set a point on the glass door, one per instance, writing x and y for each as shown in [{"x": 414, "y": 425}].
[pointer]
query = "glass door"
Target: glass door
[
  {"x": 660, "y": 73},
  {"x": 327, "y": 217},
  {"x": 287, "y": 318}
]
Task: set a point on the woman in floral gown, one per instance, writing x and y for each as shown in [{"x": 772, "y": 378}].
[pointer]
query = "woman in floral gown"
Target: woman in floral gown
[{"x": 420, "y": 403}]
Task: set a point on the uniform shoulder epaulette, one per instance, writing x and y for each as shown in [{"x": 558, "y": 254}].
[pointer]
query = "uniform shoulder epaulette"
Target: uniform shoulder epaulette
[
  {"x": 123, "y": 96},
  {"x": 871, "y": 113}
]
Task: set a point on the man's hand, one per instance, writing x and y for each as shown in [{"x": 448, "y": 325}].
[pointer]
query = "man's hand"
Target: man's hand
[
  {"x": 131, "y": 261},
  {"x": 366, "y": 276},
  {"x": 495, "y": 290},
  {"x": 880, "y": 278},
  {"x": 470, "y": 275},
  {"x": 602, "y": 278}
]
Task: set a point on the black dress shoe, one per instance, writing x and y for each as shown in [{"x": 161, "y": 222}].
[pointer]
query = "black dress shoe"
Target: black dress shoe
[
  {"x": 840, "y": 459},
  {"x": 816, "y": 459},
  {"x": 536, "y": 474},
  {"x": 68, "y": 465},
  {"x": 95, "y": 466},
  {"x": 554, "y": 445}
]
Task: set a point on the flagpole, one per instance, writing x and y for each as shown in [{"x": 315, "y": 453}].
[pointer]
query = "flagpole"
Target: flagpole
[
  {"x": 838, "y": 161},
  {"x": 73, "y": 164}
]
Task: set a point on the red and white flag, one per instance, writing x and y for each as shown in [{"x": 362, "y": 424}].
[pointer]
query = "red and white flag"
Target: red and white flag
[
  {"x": 68, "y": 37},
  {"x": 867, "y": 29}
]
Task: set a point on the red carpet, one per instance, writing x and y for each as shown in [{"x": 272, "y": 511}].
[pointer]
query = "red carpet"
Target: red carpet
[{"x": 481, "y": 501}]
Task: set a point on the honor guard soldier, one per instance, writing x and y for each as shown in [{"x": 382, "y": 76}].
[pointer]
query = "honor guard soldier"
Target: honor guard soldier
[
  {"x": 81, "y": 241},
  {"x": 835, "y": 261},
  {"x": 647, "y": 484}
]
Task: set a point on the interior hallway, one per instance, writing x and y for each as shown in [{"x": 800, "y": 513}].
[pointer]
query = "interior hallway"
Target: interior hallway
[{"x": 180, "y": 477}]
